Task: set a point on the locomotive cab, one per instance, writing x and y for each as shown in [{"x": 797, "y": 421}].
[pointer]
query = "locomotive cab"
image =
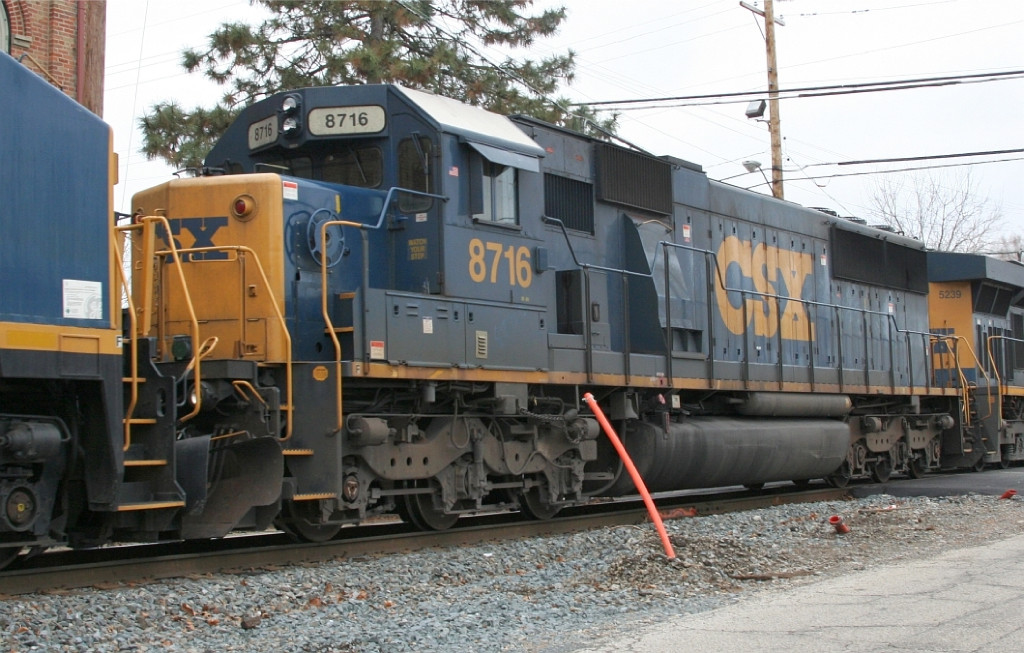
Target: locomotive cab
[{"x": 976, "y": 310}]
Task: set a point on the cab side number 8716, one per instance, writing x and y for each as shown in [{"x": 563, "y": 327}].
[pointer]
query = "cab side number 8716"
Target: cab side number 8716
[{"x": 487, "y": 261}]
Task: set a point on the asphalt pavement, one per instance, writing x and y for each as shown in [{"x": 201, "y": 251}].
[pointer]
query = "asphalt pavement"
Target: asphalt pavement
[{"x": 991, "y": 481}]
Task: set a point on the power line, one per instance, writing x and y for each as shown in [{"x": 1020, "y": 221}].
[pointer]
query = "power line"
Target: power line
[
  {"x": 869, "y": 10},
  {"x": 884, "y": 172},
  {"x": 919, "y": 158},
  {"x": 810, "y": 91}
]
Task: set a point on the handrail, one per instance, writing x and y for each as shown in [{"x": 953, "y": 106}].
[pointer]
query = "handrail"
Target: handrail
[
  {"x": 363, "y": 228},
  {"x": 387, "y": 202},
  {"x": 995, "y": 370},
  {"x": 962, "y": 377},
  {"x": 988, "y": 381},
  {"x": 133, "y": 368},
  {"x": 242, "y": 249},
  {"x": 712, "y": 257},
  {"x": 146, "y": 225},
  {"x": 323, "y": 301}
]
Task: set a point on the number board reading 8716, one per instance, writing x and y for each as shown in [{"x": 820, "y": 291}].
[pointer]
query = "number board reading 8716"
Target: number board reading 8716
[
  {"x": 334, "y": 121},
  {"x": 263, "y": 132}
]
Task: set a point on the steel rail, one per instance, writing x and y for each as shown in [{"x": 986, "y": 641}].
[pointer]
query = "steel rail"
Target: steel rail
[{"x": 118, "y": 566}]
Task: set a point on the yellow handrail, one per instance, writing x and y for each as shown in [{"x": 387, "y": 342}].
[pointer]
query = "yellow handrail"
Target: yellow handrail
[
  {"x": 241, "y": 249},
  {"x": 326, "y": 313},
  {"x": 962, "y": 377},
  {"x": 146, "y": 225},
  {"x": 134, "y": 356}
]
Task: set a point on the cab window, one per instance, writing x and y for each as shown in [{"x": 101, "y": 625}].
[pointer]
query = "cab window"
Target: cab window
[
  {"x": 494, "y": 195},
  {"x": 363, "y": 166},
  {"x": 297, "y": 167},
  {"x": 414, "y": 158}
]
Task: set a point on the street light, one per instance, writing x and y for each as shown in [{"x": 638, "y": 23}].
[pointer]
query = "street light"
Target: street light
[{"x": 751, "y": 166}]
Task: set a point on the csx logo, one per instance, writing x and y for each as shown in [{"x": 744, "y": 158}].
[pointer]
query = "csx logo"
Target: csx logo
[
  {"x": 201, "y": 231},
  {"x": 771, "y": 279}
]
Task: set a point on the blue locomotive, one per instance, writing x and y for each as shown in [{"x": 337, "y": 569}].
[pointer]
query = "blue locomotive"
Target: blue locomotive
[
  {"x": 376, "y": 300},
  {"x": 60, "y": 335}
]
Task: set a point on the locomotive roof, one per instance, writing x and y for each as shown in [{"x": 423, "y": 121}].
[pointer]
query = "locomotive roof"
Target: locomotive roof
[
  {"x": 956, "y": 266},
  {"x": 486, "y": 131},
  {"x": 470, "y": 122}
]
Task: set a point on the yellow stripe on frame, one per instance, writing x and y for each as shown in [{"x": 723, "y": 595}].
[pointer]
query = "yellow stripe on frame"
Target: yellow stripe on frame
[{"x": 46, "y": 337}]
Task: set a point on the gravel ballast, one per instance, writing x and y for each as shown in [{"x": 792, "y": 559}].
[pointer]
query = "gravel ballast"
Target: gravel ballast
[{"x": 551, "y": 594}]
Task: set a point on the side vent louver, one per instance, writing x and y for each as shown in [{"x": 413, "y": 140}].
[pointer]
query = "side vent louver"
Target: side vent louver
[
  {"x": 634, "y": 179},
  {"x": 481, "y": 344}
]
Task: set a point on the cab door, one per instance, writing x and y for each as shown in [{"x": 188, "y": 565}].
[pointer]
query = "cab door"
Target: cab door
[{"x": 415, "y": 224}]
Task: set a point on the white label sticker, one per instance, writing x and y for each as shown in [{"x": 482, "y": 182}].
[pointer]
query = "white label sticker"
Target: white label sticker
[
  {"x": 428, "y": 325},
  {"x": 290, "y": 190},
  {"x": 377, "y": 349},
  {"x": 83, "y": 299}
]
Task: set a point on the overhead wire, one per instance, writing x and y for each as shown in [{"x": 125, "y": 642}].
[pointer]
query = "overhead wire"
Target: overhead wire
[
  {"x": 810, "y": 91},
  {"x": 909, "y": 169},
  {"x": 135, "y": 97}
]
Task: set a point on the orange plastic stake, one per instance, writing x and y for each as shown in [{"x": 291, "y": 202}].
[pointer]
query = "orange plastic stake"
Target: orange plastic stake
[
  {"x": 837, "y": 523},
  {"x": 637, "y": 481}
]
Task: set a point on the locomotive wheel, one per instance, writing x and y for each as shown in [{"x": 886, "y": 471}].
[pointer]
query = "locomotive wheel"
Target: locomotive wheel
[
  {"x": 916, "y": 467},
  {"x": 300, "y": 529},
  {"x": 534, "y": 507},
  {"x": 881, "y": 470},
  {"x": 409, "y": 512},
  {"x": 841, "y": 477},
  {"x": 422, "y": 513},
  {"x": 980, "y": 465}
]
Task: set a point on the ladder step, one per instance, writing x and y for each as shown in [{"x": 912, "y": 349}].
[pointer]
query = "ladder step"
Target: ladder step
[
  {"x": 314, "y": 496},
  {"x": 347, "y": 295},
  {"x": 141, "y": 420},
  {"x": 297, "y": 452},
  {"x": 341, "y": 330},
  {"x": 133, "y": 379},
  {"x": 155, "y": 462},
  {"x": 150, "y": 505}
]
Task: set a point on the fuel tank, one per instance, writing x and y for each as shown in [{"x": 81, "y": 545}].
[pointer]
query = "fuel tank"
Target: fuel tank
[{"x": 718, "y": 451}]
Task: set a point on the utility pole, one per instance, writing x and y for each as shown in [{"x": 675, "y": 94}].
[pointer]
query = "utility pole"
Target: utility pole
[{"x": 774, "y": 129}]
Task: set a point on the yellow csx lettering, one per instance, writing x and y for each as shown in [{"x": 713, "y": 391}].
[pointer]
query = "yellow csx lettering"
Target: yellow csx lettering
[
  {"x": 486, "y": 260},
  {"x": 768, "y": 271}
]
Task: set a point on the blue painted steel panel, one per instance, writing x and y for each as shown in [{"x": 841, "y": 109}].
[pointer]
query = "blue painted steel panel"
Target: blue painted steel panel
[{"x": 55, "y": 211}]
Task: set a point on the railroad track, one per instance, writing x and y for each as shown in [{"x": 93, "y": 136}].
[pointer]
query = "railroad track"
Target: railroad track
[{"x": 122, "y": 565}]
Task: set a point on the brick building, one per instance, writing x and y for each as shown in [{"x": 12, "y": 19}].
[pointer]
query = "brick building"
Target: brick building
[{"x": 62, "y": 40}]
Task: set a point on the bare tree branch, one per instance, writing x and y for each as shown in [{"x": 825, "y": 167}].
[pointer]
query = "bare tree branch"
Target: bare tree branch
[{"x": 946, "y": 212}]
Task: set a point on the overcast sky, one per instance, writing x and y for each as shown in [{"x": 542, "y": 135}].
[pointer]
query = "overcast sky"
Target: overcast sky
[{"x": 644, "y": 49}]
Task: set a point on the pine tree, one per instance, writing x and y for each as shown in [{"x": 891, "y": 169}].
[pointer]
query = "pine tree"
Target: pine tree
[{"x": 433, "y": 45}]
